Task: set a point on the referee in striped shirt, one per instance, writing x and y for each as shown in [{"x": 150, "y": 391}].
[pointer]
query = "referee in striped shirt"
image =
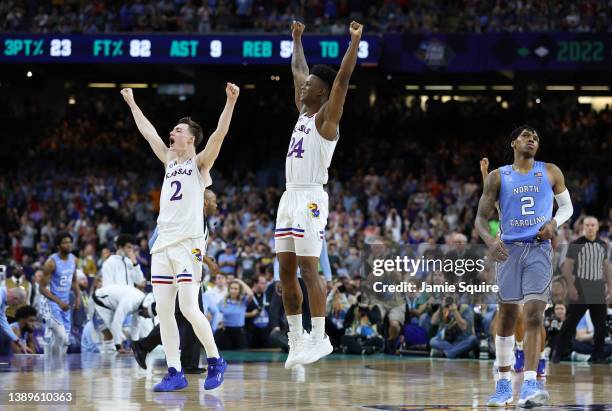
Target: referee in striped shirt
[{"x": 586, "y": 269}]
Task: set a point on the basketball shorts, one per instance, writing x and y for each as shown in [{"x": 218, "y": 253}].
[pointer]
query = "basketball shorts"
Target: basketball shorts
[
  {"x": 300, "y": 222},
  {"x": 179, "y": 263},
  {"x": 52, "y": 313},
  {"x": 526, "y": 274}
]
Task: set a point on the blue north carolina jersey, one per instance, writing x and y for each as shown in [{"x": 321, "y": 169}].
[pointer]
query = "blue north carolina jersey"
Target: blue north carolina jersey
[
  {"x": 61, "y": 279},
  {"x": 525, "y": 202}
]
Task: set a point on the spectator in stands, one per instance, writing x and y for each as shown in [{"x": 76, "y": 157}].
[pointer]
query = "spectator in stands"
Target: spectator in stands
[
  {"x": 122, "y": 268},
  {"x": 23, "y": 327},
  {"x": 227, "y": 261},
  {"x": 17, "y": 279},
  {"x": 214, "y": 295},
  {"x": 456, "y": 335},
  {"x": 337, "y": 306},
  {"x": 246, "y": 263},
  {"x": 231, "y": 334},
  {"x": 258, "y": 328}
]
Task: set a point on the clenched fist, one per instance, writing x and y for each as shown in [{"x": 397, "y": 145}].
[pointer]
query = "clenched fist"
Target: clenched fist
[
  {"x": 128, "y": 95},
  {"x": 356, "y": 30},
  {"x": 297, "y": 29},
  {"x": 232, "y": 91}
]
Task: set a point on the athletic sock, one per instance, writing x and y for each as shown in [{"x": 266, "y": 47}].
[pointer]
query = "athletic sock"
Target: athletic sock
[
  {"x": 295, "y": 323},
  {"x": 530, "y": 375},
  {"x": 318, "y": 327},
  {"x": 506, "y": 375},
  {"x": 519, "y": 345}
]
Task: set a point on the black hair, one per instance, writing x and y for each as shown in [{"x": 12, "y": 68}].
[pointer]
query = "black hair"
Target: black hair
[
  {"x": 514, "y": 134},
  {"x": 517, "y": 132},
  {"x": 194, "y": 128},
  {"x": 123, "y": 239},
  {"x": 325, "y": 73},
  {"x": 25, "y": 312},
  {"x": 61, "y": 236}
]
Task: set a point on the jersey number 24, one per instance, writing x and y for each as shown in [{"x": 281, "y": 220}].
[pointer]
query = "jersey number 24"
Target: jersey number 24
[{"x": 295, "y": 148}]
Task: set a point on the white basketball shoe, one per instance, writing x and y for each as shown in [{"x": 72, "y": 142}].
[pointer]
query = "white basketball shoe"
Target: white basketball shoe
[
  {"x": 297, "y": 343},
  {"x": 315, "y": 349}
]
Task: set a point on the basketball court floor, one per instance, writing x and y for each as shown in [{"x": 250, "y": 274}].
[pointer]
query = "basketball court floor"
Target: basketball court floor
[{"x": 258, "y": 381}]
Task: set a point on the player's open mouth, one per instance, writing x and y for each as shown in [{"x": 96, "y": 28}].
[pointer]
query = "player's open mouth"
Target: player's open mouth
[{"x": 171, "y": 141}]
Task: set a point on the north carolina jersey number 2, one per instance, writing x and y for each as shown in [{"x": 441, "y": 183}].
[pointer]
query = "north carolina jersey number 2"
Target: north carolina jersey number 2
[
  {"x": 295, "y": 148},
  {"x": 177, "y": 194},
  {"x": 526, "y": 204}
]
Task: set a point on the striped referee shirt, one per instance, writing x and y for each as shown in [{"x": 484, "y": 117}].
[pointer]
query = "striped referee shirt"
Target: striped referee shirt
[{"x": 589, "y": 258}]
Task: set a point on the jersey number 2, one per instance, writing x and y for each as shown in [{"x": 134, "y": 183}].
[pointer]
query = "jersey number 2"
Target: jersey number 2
[
  {"x": 526, "y": 202},
  {"x": 177, "y": 194},
  {"x": 296, "y": 148}
]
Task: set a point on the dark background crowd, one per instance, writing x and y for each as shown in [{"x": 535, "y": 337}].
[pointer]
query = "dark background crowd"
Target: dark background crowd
[
  {"x": 399, "y": 176},
  {"x": 326, "y": 16}
]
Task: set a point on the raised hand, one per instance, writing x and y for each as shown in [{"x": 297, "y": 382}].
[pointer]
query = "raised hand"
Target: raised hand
[
  {"x": 232, "y": 91},
  {"x": 297, "y": 29},
  {"x": 128, "y": 95},
  {"x": 356, "y": 30},
  {"x": 484, "y": 166}
]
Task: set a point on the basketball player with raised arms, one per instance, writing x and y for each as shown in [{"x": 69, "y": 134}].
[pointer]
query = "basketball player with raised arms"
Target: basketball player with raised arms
[
  {"x": 177, "y": 254},
  {"x": 302, "y": 213},
  {"x": 523, "y": 252}
]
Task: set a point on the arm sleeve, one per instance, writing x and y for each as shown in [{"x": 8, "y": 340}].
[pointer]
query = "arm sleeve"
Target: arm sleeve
[
  {"x": 565, "y": 210},
  {"x": 276, "y": 270}
]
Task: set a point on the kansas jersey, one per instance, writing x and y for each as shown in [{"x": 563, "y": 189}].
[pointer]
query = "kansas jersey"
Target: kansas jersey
[
  {"x": 181, "y": 204},
  {"x": 309, "y": 154},
  {"x": 525, "y": 202},
  {"x": 61, "y": 279}
]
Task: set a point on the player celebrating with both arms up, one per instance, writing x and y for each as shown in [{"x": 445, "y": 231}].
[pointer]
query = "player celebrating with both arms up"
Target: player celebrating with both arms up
[
  {"x": 302, "y": 213},
  {"x": 178, "y": 251}
]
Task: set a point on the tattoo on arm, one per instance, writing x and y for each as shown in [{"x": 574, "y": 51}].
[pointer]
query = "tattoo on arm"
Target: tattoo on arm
[{"x": 486, "y": 206}]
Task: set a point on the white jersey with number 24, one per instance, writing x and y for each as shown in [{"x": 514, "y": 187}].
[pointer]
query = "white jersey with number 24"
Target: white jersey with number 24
[{"x": 309, "y": 154}]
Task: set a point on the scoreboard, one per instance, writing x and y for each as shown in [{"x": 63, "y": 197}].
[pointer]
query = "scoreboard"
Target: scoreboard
[{"x": 181, "y": 49}]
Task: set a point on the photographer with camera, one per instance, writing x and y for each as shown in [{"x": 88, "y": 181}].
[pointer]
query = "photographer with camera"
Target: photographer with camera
[
  {"x": 456, "y": 334},
  {"x": 337, "y": 306},
  {"x": 553, "y": 321},
  {"x": 362, "y": 322}
]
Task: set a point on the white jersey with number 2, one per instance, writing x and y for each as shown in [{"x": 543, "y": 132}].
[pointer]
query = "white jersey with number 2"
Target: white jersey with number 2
[
  {"x": 309, "y": 154},
  {"x": 181, "y": 207}
]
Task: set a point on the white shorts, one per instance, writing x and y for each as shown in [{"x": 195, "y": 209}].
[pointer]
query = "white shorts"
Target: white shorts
[
  {"x": 180, "y": 263},
  {"x": 300, "y": 222}
]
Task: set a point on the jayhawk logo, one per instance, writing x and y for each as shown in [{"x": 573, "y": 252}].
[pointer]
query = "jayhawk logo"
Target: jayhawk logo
[
  {"x": 314, "y": 210},
  {"x": 197, "y": 253}
]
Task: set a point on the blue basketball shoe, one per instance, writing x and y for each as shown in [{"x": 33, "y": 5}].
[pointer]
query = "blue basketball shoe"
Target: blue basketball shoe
[
  {"x": 519, "y": 362},
  {"x": 502, "y": 395},
  {"x": 533, "y": 394},
  {"x": 216, "y": 369},
  {"x": 173, "y": 381}
]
